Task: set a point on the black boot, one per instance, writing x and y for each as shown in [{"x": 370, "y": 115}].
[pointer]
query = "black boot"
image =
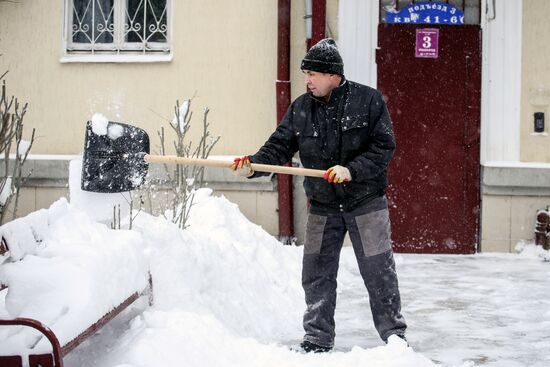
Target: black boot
[{"x": 309, "y": 347}]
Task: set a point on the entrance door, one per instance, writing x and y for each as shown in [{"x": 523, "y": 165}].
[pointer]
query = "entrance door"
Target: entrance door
[{"x": 434, "y": 103}]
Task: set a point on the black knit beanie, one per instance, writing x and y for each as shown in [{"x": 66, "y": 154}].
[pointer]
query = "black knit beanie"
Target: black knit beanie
[{"x": 324, "y": 58}]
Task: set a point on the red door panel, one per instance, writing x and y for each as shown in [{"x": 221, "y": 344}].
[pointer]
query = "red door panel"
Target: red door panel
[{"x": 435, "y": 109}]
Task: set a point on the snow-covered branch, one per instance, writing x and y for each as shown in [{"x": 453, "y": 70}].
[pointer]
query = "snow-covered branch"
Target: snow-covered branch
[
  {"x": 184, "y": 180},
  {"x": 11, "y": 139}
]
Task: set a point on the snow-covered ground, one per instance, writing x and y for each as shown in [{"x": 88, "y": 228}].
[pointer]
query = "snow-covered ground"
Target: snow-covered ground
[
  {"x": 490, "y": 309},
  {"x": 481, "y": 310},
  {"x": 228, "y": 294}
]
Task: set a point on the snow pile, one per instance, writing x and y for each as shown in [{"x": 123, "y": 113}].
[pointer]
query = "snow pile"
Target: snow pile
[
  {"x": 115, "y": 131},
  {"x": 101, "y": 126},
  {"x": 25, "y": 234},
  {"x": 98, "y": 206},
  {"x": 530, "y": 250},
  {"x": 201, "y": 340},
  {"x": 225, "y": 266},
  {"x": 226, "y": 292},
  {"x": 70, "y": 272}
]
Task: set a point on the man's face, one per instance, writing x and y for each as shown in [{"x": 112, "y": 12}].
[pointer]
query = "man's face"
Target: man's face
[{"x": 321, "y": 84}]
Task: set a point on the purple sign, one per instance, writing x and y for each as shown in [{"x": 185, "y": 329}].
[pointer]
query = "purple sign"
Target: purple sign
[{"x": 427, "y": 43}]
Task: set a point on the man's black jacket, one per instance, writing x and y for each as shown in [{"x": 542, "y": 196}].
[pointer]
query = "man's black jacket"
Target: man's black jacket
[{"x": 353, "y": 130}]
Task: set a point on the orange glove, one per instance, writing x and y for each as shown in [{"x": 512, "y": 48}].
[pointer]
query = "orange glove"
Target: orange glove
[
  {"x": 242, "y": 167},
  {"x": 337, "y": 174}
]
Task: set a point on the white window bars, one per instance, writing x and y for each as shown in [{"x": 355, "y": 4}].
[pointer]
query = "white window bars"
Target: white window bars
[{"x": 117, "y": 27}]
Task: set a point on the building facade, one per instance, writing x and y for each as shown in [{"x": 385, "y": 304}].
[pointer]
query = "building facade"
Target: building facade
[{"x": 470, "y": 172}]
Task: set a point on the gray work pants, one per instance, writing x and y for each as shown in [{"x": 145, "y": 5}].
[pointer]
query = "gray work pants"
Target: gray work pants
[{"x": 369, "y": 230}]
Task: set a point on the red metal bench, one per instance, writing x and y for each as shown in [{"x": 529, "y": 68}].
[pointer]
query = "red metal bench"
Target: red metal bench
[{"x": 55, "y": 357}]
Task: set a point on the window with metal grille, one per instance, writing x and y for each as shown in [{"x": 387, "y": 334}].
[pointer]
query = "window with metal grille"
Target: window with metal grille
[
  {"x": 447, "y": 12},
  {"x": 117, "y": 26}
]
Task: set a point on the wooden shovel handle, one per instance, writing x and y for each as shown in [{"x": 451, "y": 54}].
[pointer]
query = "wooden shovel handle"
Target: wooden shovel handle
[{"x": 226, "y": 164}]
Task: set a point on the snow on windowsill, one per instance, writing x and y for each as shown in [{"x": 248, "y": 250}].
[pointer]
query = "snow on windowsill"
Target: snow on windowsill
[{"x": 115, "y": 58}]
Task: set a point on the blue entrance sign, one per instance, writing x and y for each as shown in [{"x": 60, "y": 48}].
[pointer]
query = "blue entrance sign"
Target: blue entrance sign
[{"x": 427, "y": 13}]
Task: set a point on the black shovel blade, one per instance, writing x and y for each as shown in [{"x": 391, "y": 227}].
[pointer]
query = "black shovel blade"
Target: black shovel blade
[{"x": 113, "y": 162}]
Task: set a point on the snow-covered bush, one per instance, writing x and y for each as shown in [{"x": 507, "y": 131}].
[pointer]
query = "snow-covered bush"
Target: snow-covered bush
[
  {"x": 183, "y": 180},
  {"x": 11, "y": 141}
]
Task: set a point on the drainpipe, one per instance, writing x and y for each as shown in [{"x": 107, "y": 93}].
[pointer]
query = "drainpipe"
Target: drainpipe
[
  {"x": 318, "y": 21},
  {"x": 282, "y": 88}
]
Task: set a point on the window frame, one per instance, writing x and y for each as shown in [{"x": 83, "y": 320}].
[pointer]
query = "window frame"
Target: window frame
[{"x": 118, "y": 50}]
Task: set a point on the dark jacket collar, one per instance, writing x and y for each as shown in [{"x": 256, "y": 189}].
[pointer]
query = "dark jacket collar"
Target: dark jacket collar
[{"x": 335, "y": 95}]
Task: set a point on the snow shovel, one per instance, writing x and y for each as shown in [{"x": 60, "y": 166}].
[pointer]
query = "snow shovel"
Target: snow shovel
[{"x": 116, "y": 159}]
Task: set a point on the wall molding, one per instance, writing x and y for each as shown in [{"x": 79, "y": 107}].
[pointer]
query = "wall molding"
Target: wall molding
[{"x": 515, "y": 179}]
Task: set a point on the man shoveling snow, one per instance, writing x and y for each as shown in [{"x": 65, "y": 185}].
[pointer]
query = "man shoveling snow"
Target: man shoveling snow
[{"x": 344, "y": 128}]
